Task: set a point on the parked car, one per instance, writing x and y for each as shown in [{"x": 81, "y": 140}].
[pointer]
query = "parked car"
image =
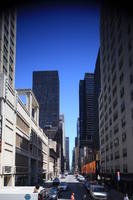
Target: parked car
[
  {"x": 81, "y": 178},
  {"x": 66, "y": 173},
  {"x": 62, "y": 175},
  {"x": 98, "y": 192},
  {"x": 56, "y": 181},
  {"x": 63, "y": 186},
  {"x": 53, "y": 194}
]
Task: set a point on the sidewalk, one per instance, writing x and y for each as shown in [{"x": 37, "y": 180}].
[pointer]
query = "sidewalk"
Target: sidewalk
[{"x": 115, "y": 195}]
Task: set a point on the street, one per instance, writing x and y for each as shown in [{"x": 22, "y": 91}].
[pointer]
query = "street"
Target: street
[
  {"x": 74, "y": 186},
  {"x": 79, "y": 190}
]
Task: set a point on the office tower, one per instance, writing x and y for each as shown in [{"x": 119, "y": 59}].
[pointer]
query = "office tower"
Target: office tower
[
  {"x": 46, "y": 90},
  {"x": 8, "y": 43},
  {"x": 67, "y": 153},
  {"x": 62, "y": 142},
  {"x": 89, "y": 90},
  {"x": 116, "y": 98},
  {"x": 86, "y": 110}
]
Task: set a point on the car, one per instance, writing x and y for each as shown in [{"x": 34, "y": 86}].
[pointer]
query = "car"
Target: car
[
  {"x": 63, "y": 186},
  {"x": 66, "y": 173},
  {"x": 87, "y": 185},
  {"x": 98, "y": 192},
  {"x": 53, "y": 194},
  {"x": 56, "y": 181},
  {"x": 81, "y": 178},
  {"x": 62, "y": 175}
]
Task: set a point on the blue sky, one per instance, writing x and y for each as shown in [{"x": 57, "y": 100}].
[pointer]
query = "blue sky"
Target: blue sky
[{"x": 58, "y": 38}]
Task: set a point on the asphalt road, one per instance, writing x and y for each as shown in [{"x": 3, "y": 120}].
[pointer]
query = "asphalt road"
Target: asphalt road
[
  {"x": 79, "y": 189},
  {"x": 74, "y": 187}
]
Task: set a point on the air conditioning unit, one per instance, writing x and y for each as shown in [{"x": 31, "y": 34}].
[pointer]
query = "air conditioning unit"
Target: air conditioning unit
[{"x": 6, "y": 170}]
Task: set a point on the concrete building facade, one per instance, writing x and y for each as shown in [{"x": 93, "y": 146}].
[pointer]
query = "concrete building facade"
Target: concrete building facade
[
  {"x": 8, "y": 43},
  {"x": 116, "y": 98},
  {"x": 22, "y": 141}
]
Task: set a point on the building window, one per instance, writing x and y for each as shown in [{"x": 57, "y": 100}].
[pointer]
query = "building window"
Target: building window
[
  {"x": 125, "y": 169},
  {"x": 114, "y": 91},
  {"x": 131, "y": 95},
  {"x": 124, "y": 152},
  {"x": 131, "y": 78},
  {"x": 129, "y": 29},
  {"x": 122, "y": 106},
  {"x": 116, "y": 142},
  {"x": 123, "y": 122},
  {"x": 107, "y": 147},
  {"x": 116, "y": 129},
  {"x": 107, "y": 137},
  {"x": 120, "y": 50},
  {"x": 130, "y": 61},
  {"x": 121, "y": 77},
  {"x": 110, "y": 121},
  {"x": 122, "y": 92},
  {"x": 129, "y": 45},
  {"x": 120, "y": 63},
  {"x": 111, "y": 156},
  {"x": 115, "y": 103},
  {"x": 132, "y": 113},
  {"x": 124, "y": 137},
  {"x": 117, "y": 156},
  {"x": 111, "y": 145},
  {"x": 115, "y": 116}
]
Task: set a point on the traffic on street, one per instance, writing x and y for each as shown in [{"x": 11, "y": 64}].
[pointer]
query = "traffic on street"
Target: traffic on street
[{"x": 82, "y": 189}]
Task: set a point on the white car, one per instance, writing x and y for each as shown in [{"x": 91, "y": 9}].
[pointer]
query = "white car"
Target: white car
[
  {"x": 98, "y": 192},
  {"x": 81, "y": 178}
]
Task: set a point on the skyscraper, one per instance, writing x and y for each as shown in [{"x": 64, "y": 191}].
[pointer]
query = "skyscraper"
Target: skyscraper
[
  {"x": 86, "y": 110},
  {"x": 116, "y": 98},
  {"x": 8, "y": 43},
  {"x": 67, "y": 153},
  {"x": 89, "y": 91},
  {"x": 46, "y": 90}
]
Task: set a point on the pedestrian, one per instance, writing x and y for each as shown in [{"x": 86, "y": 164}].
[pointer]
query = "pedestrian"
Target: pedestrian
[
  {"x": 126, "y": 197},
  {"x": 36, "y": 188},
  {"x": 72, "y": 196}
]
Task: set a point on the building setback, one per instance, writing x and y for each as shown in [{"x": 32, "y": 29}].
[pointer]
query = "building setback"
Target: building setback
[
  {"x": 116, "y": 98},
  {"x": 8, "y": 44}
]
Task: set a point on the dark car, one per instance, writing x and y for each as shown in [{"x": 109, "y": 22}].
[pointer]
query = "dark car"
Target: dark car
[
  {"x": 53, "y": 194},
  {"x": 56, "y": 181},
  {"x": 63, "y": 186}
]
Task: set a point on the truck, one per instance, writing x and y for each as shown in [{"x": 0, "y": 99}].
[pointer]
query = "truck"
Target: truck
[{"x": 22, "y": 193}]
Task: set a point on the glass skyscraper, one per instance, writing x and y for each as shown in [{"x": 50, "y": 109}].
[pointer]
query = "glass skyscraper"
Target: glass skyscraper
[{"x": 46, "y": 90}]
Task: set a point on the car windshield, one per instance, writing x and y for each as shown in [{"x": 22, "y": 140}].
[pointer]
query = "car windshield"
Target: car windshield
[{"x": 99, "y": 189}]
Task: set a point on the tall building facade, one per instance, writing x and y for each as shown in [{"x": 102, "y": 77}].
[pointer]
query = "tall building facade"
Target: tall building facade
[
  {"x": 8, "y": 44},
  {"x": 89, "y": 90},
  {"x": 46, "y": 90},
  {"x": 67, "y": 154},
  {"x": 116, "y": 98},
  {"x": 62, "y": 142}
]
